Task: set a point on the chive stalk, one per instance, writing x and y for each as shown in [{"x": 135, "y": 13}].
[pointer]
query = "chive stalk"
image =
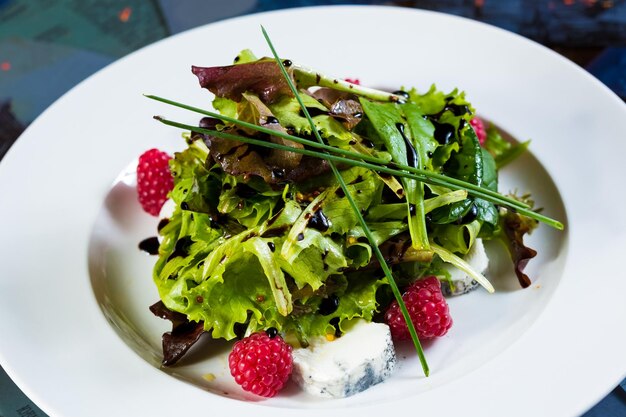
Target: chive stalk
[
  {"x": 460, "y": 185},
  {"x": 366, "y": 229},
  {"x": 439, "y": 180}
]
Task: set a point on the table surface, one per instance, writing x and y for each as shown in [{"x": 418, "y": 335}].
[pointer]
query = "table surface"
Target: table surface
[{"x": 48, "y": 46}]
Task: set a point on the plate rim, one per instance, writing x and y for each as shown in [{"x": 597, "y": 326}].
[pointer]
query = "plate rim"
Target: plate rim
[{"x": 16, "y": 148}]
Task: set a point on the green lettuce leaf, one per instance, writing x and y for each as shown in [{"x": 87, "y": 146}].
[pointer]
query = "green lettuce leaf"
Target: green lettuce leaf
[
  {"x": 446, "y": 108},
  {"x": 244, "y": 57},
  {"x": 457, "y": 238},
  {"x": 362, "y": 185},
  {"x": 357, "y": 301},
  {"x": 312, "y": 266}
]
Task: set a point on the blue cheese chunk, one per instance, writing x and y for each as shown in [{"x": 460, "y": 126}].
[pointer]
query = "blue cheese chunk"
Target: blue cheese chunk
[
  {"x": 362, "y": 357},
  {"x": 477, "y": 258}
]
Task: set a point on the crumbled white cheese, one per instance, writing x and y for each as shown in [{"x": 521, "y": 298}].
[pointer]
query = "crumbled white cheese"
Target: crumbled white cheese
[
  {"x": 362, "y": 357},
  {"x": 168, "y": 209},
  {"x": 477, "y": 259}
]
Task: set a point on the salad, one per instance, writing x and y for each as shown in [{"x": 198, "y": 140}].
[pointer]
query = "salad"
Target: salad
[{"x": 306, "y": 204}]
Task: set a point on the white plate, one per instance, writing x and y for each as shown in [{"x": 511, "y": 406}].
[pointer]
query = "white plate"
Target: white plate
[{"x": 553, "y": 349}]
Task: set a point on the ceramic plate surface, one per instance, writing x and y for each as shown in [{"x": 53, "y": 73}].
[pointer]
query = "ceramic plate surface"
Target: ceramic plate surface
[{"x": 78, "y": 338}]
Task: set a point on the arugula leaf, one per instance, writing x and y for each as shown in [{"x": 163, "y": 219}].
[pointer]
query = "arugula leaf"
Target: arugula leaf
[
  {"x": 422, "y": 133},
  {"x": 388, "y": 121},
  {"x": 486, "y": 211},
  {"x": 475, "y": 165}
]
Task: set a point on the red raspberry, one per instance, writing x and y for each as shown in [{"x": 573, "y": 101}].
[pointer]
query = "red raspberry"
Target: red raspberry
[
  {"x": 261, "y": 364},
  {"x": 427, "y": 308},
  {"x": 479, "y": 128},
  {"x": 154, "y": 180},
  {"x": 353, "y": 81}
]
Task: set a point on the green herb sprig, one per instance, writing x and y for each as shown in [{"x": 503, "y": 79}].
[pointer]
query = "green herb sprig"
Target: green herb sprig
[
  {"x": 356, "y": 159},
  {"x": 421, "y": 175}
]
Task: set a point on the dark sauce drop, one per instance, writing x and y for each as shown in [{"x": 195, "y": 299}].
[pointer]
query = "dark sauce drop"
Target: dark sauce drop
[
  {"x": 162, "y": 223},
  {"x": 245, "y": 191},
  {"x": 329, "y": 305},
  {"x": 182, "y": 248},
  {"x": 272, "y": 332},
  {"x": 250, "y": 236},
  {"x": 411, "y": 153},
  {"x": 457, "y": 109},
  {"x": 240, "y": 331},
  {"x": 279, "y": 173},
  {"x": 401, "y": 93},
  {"x": 287, "y": 63},
  {"x": 470, "y": 216},
  {"x": 368, "y": 143},
  {"x": 271, "y": 246},
  {"x": 150, "y": 245},
  {"x": 335, "y": 323},
  {"x": 209, "y": 123},
  {"x": 313, "y": 111},
  {"x": 444, "y": 132},
  {"x": 319, "y": 221},
  {"x": 276, "y": 231},
  {"x": 270, "y": 120}
]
